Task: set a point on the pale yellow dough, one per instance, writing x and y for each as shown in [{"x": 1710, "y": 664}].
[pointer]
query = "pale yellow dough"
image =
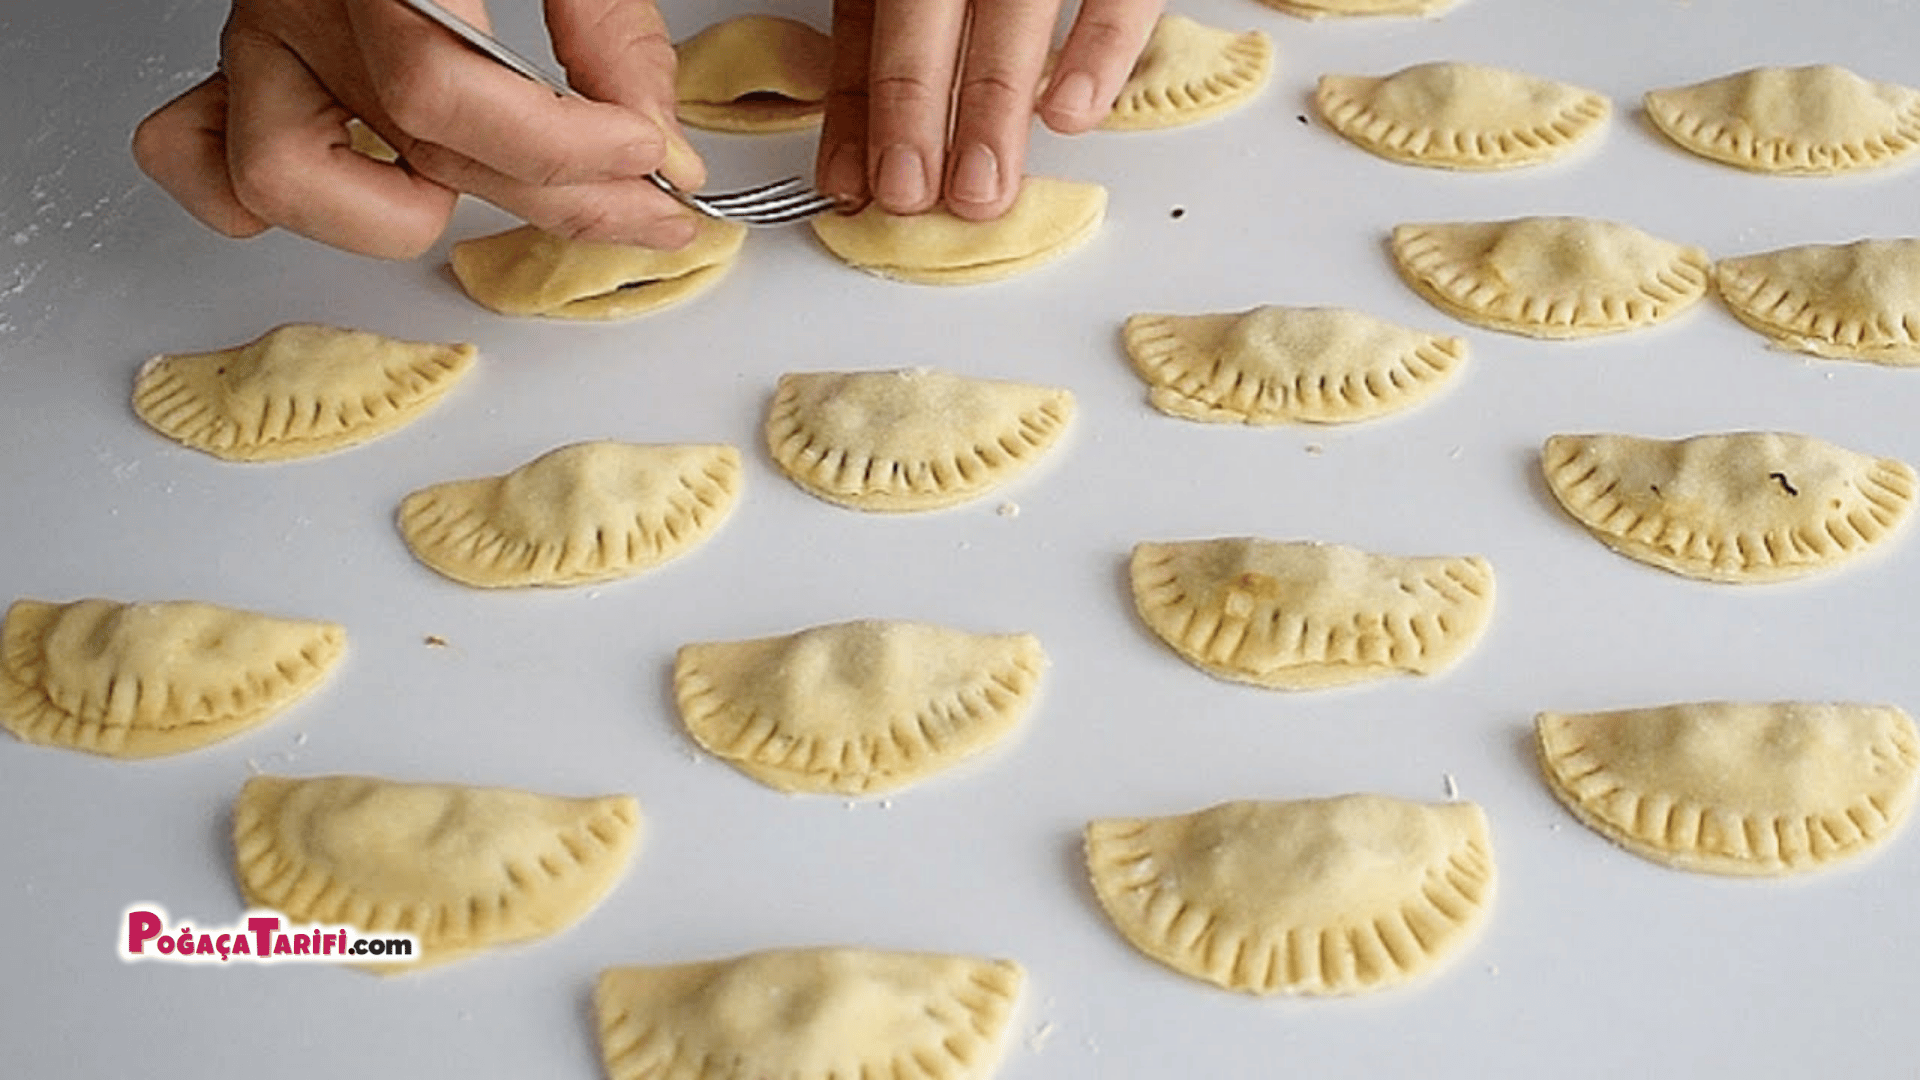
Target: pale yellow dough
[
  {"x": 1313, "y": 896},
  {"x": 366, "y": 141},
  {"x": 1812, "y": 121},
  {"x": 1275, "y": 365},
  {"x": 1737, "y": 507},
  {"x": 296, "y": 391},
  {"x": 753, "y": 74},
  {"x": 524, "y": 271},
  {"x": 1321, "y": 9},
  {"x": 1736, "y": 788},
  {"x": 808, "y": 1014},
  {"x": 1190, "y": 72},
  {"x": 143, "y": 680},
  {"x": 1461, "y": 116},
  {"x": 1301, "y": 616},
  {"x": 1858, "y": 301},
  {"x": 462, "y": 868},
  {"x": 855, "y": 708},
  {"x": 1550, "y": 277},
  {"x": 1049, "y": 218},
  {"x": 909, "y": 440},
  {"x": 584, "y": 513}
]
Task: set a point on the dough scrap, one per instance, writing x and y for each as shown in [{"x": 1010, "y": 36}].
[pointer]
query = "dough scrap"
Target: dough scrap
[
  {"x": 912, "y": 439},
  {"x": 1272, "y": 365},
  {"x": 1737, "y": 507},
  {"x": 142, "y": 680},
  {"x": 462, "y": 868},
  {"x": 1312, "y": 896},
  {"x": 808, "y": 1014},
  {"x": 1550, "y": 277},
  {"x": 1461, "y": 116},
  {"x": 1049, "y": 218},
  {"x": 1858, "y": 301},
  {"x": 1321, "y": 9},
  {"x": 367, "y": 142},
  {"x": 855, "y": 708},
  {"x": 1736, "y": 788},
  {"x": 297, "y": 391},
  {"x": 1817, "y": 120},
  {"x": 1302, "y": 616},
  {"x": 524, "y": 271},
  {"x": 1190, "y": 72},
  {"x": 753, "y": 74},
  {"x": 584, "y": 513}
]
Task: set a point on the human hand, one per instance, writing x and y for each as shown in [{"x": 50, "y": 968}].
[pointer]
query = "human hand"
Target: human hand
[
  {"x": 264, "y": 143},
  {"x": 933, "y": 100}
]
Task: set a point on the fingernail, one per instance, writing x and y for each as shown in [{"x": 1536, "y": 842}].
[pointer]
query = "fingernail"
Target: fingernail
[
  {"x": 1073, "y": 94},
  {"x": 976, "y": 175},
  {"x": 902, "y": 182},
  {"x": 846, "y": 172}
]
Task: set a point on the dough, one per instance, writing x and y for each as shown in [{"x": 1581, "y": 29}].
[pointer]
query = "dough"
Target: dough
[
  {"x": 1049, "y": 218},
  {"x": 1461, "y": 116},
  {"x": 1188, "y": 73},
  {"x": 1811, "y": 121},
  {"x": 1858, "y": 301},
  {"x": 753, "y": 74},
  {"x": 525, "y": 271}
]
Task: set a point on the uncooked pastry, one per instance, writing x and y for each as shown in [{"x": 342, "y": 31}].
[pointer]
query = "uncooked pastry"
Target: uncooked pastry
[
  {"x": 142, "y": 680},
  {"x": 1811, "y": 121},
  {"x": 1735, "y": 788},
  {"x": 1321, "y": 9},
  {"x": 1301, "y": 616},
  {"x": 1735, "y": 507},
  {"x": 1461, "y": 116},
  {"x": 296, "y": 391},
  {"x": 753, "y": 74},
  {"x": 461, "y": 868},
  {"x": 1550, "y": 277},
  {"x": 909, "y": 440},
  {"x": 855, "y": 708},
  {"x": 524, "y": 271},
  {"x": 1189, "y": 72},
  {"x": 1273, "y": 365},
  {"x": 1858, "y": 301},
  {"x": 808, "y": 1014},
  {"x": 1049, "y": 218},
  {"x": 584, "y": 513},
  {"x": 1312, "y": 896}
]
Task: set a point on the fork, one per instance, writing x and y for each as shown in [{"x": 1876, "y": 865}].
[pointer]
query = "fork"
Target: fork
[{"x": 780, "y": 202}]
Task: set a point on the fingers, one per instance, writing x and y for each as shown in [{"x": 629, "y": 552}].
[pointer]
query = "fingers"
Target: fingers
[
  {"x": 841, "y": 168},
  {"x": 1098, "y": 55},
  {"x": 911, "y": 68},
  {"x": 620, "y": 51},
  {"x": 1006, "y": 51},
  {"x": 183, "y": 147}
]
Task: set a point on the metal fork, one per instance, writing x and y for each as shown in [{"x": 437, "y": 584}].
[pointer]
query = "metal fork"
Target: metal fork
[{"x": 778, "y": 203}]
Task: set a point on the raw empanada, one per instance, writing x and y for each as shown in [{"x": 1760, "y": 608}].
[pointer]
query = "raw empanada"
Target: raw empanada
[
  {"x": 753, "y": 74},
  {"x": 525, "y": 271},
  {"x": 1735, "y": 788},
  {"x": 855, "y": 708},
  {"x": 1190, "y": 72},
  {"x": 296, "y": 391},
  {"x": 1312, "y": 896},
  {"x": 1550, "y": 277},
  {"x": 584, "y": 513},
  {"x": 1460, "y": 116},
  {"x": 461, "y": 868},
  {"x": 1858, "y": 301},
  {"x": 142, "y": 680},
  {"x": 1300, "y": 615},
  {"x": 1736, "y": 507},
  {"x": 1813, "y": 121},
  {"x": 1049, "y": 218},
  {"x": 1320, "y": 9},
  {"x": 808, "y": 1014},
  {"x": 1272, "y": 365},
  {"x": 912, "y": 439}
]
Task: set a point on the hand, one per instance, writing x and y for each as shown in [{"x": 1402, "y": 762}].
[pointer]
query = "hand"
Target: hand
[
  {"x": 263, "y": 142},
  {"x": 908, "y": 72}
]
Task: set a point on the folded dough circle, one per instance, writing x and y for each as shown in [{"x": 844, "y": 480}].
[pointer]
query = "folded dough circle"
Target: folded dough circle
[
  {"x": 753, "y": 74},
  {"x": 1274, "y": 365},
  {"x": 1550, "y": 277},
  {"x": 296, "y": 391},
  {"x": 1732, "y": 787},
  {"x": 1817, "y": 120},
  {"x": 1736, "y": 507},
  {"x": 1311, "y": 896},
  {"x": 584, "y": 513},
  {"x": 1302, "y": 616},
  {"x": 461, "y": 868},
  {"x": 1189, "y": 72},
  {"x": 1460, "y": 116},
  {"x": 142, "y": 680},
  {"x": 525, "y": 271},
  {"x": 1858, "y": 301},
  {"x": 1048, "y": 218}
]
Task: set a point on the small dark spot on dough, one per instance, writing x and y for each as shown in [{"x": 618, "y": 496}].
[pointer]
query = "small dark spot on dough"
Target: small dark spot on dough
[{"x": 1784, "y": 484}]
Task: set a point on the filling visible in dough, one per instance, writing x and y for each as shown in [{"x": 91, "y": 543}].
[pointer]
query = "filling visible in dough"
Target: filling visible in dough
[
  {"x": 524, "y": 271},
  {"x": 753, "y": 74}
]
